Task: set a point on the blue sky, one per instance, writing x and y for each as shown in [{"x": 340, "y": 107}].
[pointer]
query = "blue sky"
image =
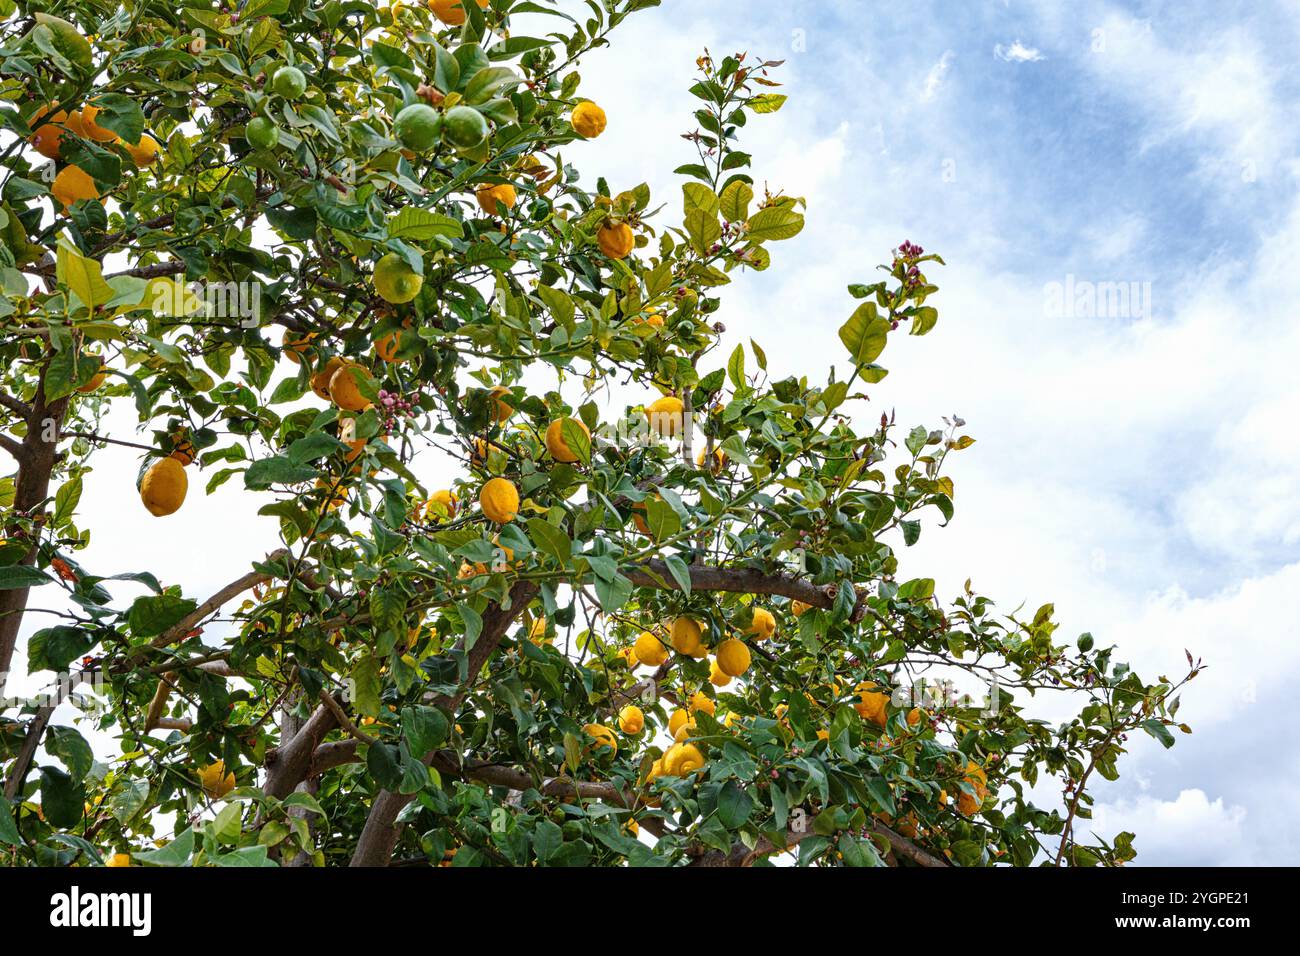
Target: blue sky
[{"x": 1140, "y": 472}]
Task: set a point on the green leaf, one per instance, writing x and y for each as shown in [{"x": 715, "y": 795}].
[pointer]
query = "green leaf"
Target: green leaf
[
  {"x": 680, "y": 572},
  {"x": 734, "y": 806},
  {"x": 71, "y": 748},
  {"x": 277, "y": 470},
  {"x": 22, "y": 576},
  {"x": 735, "y": 201},
  {"x": 176, "y": 853},
  {"x": 425, "y": 728},
  {"x": 613, "y": 594},
  {"x": 62, "y": 798},
  {"x": 736, "y": 367},
  {"x": 8, "y": 829},
  {"x": 152, "y": 614},
  {"x": 767, "y": 102},
  {"x": 83, "y": 276},
  {"x": 366, "y": 686},
  {"x": 420, "y": 224},
  {"x": 865, "y": 334},
  {"x": 1159, "y": 731},
  {"x": 576, "y": 438},
  {"x": 776, "y": 223},
  {"x": 550, "y": 539}
]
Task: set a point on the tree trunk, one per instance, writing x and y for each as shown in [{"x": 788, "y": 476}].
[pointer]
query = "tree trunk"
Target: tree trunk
[{"x": 31, "y": 489}]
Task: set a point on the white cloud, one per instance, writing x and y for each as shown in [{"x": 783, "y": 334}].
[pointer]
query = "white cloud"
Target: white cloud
[
  {"x": 1017, "y": 52},
  {"x": 1191, "y": 830},
  {"x": 935, "y": 78}
]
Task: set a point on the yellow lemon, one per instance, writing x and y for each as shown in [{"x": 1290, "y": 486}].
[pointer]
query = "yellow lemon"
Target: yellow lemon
[
  {"x": 733, "y": 657},
  {"x": 763, "y": 625},
  {"x": 716, "y": 677},
  {"x": 650, "y": 650},
  {"x": 345, "y": 388},
  {"x": 163, "y": 488},
  {"x": 499, "y": 500},
  {"x": 214, "y": 779},
  {"x": 702, "y": 701},
  {"x": 451, "y": 12},
  {"x": 665, "y": 416},
  {"x": 603, "y": 735},
  {"x": 442, "y": 504},
  {"x": 588, "y": 120},
  {"x": 71, "y": 185},
  {"x": 616, "y": 239},
  {"x": 489, "y": 196},
  {"x": 686, "y": 634},
  {"x": 631, "y": 720},
  {"x": 556, "y": 444}
]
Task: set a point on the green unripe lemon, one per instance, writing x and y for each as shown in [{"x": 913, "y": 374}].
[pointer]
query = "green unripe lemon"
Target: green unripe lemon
[
  {"x": 417, "y": 127},
  {"x": 464, "y": 127},
  {"x": 261, "y": 133},
  {"x": 289, "y": 82},
  {"x": 395, "y": 280}
]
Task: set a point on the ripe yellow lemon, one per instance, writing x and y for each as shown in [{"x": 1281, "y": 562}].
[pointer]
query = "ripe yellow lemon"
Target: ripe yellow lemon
[
  {"x": 873, "y": 705},
  {"x": 615, "y": 239},
  {"x": 763, "y": 625},
  {"x": 71, "y": 185},
  {"x": 451, "y": 12},
  {"x": 48, "y": 135},
  {"x": 82, "y": 122},
  {"x": 441, "y": 504},
  {"x": 631, "y": 720},
  {"x": 489, "y": 196},
  {"x": 588, "y": 120},
  {"x": 95, "y": 382},
  {"x": 678, "y": 720},
  {"x": 144, "y": 152},
  {"x": 118, "y": 859},
  {"x": 682, "y": 759},
  {"x": 345, "y": 388},
  {"x": 294, "y": 345},
  {"x": 798, "y": 608},
  {"x": 501, "y": 409},
  {"x": 686, "y": 634},
  {"x": 650, "y": 650},
  {"x": 716, "y": 677},
  {"x": 162, "y": 490},
  {"x": 320, "y": 382},
  {"x": 604, "y": 737},
  {"x": 556, "y": 444},
  {"x": 499, "y": 500},
  {"x": 702, "y": 701},
  {"x": 665, "y": 416},
  {"x": 215, "y": 781},
  {"x": 733, "y": 657}
]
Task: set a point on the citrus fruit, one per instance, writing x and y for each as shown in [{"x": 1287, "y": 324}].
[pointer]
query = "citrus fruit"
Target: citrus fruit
[
  {"x": 665, "y": 416},
  {"x": 763, "y": 625},
  {"x": 615, "y": 239},
  {"x": 631, "y": 720},
  {"x": 289, "y": 82},
  {"x": 464, "y": 127},
  {"x": 499, "y": 500},
  {"x": 588, "y": 120},
  {"x": 733, "y": 657},
  {"x": 144, "y": 152},
  {"x": 650, "y": 650},
  {"x": 489, "y": 196},
  {"x": 686, "y": 638},
  {"x": 71, "y": 185},
  {"x": 261, "y": 133},
  {"x": 162, "y": 490},
  {"x": 556, "y": 444},
  {"x": 417, "y": 127},
  {"x": 451, "y": 12},
  {"x": 345, "y": 387},
  {"x": 395, "y": 280},
  {"x": 47, "y": 132}
]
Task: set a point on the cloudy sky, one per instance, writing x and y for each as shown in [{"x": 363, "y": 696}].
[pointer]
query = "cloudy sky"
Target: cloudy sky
[{"x": 1138, "y": 466}]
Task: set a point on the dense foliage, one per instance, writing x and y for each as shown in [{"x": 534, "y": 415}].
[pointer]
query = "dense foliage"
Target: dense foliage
[{"x": 317, "y": 246}]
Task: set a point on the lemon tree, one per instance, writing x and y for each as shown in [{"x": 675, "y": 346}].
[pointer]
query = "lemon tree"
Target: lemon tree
[{"x": 341, "y": 255}]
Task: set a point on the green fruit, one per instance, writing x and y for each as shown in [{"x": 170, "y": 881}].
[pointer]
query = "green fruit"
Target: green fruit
[
  {"x": 417, "y": 127},
  {"x": 464, "y": 127},
  {"x": 261, "y": 133},
  {"x": 395, "y": 280},
  {"x": 289, "y": 82}
]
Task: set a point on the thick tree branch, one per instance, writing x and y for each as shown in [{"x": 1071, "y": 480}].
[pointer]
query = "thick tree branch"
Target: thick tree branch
[
  {"x": 655, "y": 574},
  {"x": 379, "y": 837}
]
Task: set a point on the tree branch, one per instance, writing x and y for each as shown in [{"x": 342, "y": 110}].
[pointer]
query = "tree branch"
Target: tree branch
[
  {"x": 379, "y": 837},
  {"x": 655, "y": 574}
]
